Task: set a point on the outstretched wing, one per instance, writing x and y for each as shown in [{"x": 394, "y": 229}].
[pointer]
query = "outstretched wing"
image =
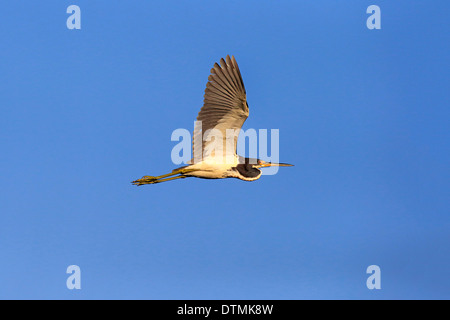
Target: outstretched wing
[{"x": 224, "y": 111}]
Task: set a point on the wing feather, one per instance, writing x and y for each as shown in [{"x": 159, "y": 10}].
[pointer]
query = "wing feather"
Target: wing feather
[{"x": 225, "y": 107}]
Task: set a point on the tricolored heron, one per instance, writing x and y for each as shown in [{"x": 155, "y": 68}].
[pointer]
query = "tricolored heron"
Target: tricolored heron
[{"x": 224, "y": 110}]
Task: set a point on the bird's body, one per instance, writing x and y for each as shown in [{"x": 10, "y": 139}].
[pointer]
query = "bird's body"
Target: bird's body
[
  {"x": 211, "y": 169},
  {"x": 240, "y": 168},
  {"x": 219, "y": 121}
]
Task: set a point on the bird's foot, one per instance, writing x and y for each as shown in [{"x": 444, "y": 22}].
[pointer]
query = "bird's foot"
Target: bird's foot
[{"x": 145, "y": 180}]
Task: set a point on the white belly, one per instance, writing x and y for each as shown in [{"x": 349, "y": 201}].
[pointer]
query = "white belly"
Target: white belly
[{"x": 211, "y": 170}]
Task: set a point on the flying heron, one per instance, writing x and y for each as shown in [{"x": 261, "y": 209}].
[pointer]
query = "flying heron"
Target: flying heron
[{"x": 224, "y": 110}]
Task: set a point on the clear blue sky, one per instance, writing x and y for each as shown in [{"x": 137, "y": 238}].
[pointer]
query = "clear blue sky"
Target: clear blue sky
[{"x": 363, "y": 114}]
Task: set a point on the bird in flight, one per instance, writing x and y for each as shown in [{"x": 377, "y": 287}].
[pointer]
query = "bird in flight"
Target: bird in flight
[{"x": 219, "y": 121}]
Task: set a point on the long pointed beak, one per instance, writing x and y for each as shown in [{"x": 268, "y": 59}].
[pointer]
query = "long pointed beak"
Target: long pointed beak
[{"x": 270, "y": 164}]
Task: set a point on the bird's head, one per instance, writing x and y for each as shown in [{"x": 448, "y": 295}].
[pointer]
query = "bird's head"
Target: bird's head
[{"x": 249, "y": 168}]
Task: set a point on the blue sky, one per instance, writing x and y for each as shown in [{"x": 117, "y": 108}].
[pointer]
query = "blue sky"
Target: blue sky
[{"x": 363, "y": 114}]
